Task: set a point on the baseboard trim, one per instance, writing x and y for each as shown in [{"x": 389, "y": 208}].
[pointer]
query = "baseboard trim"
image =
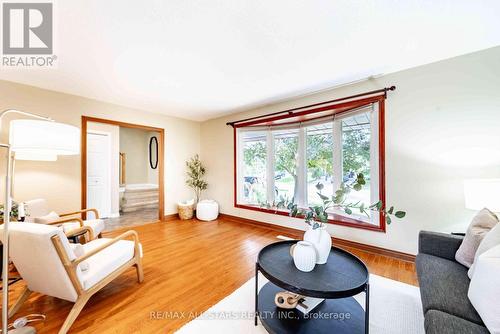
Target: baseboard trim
[
  {"x": 337, "y": 241},
  {"x": 375, "y": 250},
  {"x": 170, "y": 217}
]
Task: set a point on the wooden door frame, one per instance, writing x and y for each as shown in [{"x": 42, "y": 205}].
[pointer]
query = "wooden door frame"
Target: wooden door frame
[{"x": 161, "y": 159}]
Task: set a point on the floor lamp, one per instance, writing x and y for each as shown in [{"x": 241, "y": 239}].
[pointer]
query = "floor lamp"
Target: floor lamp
[{"x": 42, "y": 139}]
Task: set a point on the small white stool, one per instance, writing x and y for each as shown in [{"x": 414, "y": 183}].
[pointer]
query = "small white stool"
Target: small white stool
[{"x": 207, "y": 210}]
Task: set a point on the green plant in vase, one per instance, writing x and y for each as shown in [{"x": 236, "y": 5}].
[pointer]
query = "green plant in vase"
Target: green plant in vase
[
  {"x": 317, "y": 216},
  {"x": 195, "y": 173}
]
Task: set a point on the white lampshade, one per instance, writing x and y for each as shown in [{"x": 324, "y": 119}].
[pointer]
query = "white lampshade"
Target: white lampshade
[
  {"x": 482, "y": 193},
  {"x": 43, "y": 140},
  {"x": 38, "y": 156}
]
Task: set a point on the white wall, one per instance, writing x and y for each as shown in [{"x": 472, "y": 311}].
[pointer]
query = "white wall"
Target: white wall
[
  {"x": 442, "y": 126},
  {"x": 59, "y": 181},
  {"x": 135, "y": 144},
  {"x": 114, "y": 133}
]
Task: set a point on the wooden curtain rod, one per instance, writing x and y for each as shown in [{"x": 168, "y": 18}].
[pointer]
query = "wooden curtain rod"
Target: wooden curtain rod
[{"x": 290, "y": 111}]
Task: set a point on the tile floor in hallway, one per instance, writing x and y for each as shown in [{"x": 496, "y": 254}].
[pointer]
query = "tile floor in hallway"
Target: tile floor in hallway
[{"x": 130, "y": 219}]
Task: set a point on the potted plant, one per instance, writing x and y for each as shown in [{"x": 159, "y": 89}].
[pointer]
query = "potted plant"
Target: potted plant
[
  {"x": 14, "y": 212},
  {"x": 195, "y": 173}
]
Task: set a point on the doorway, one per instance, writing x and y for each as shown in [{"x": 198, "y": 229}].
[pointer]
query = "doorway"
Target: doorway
[{"x": 122, "y": 172}]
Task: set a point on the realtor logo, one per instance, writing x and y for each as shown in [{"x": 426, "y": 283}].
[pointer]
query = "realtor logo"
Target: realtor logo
[{"x": 27, "y": 30}]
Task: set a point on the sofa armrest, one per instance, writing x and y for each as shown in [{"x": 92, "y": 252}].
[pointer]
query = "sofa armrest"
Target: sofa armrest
[{"x": 439, "y": 244}]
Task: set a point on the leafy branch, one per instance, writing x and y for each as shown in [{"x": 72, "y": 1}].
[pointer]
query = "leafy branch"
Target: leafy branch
[
  {"x": 316, "y": 216},
  {"x": 195, "y": 173}
]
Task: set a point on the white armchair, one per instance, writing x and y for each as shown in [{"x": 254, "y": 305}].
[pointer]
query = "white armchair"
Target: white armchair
[
  {"x": 38, "y": 210},
  {"x": 48, "y": 264}
]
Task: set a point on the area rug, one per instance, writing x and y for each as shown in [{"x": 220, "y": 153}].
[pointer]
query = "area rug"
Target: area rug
[{"x": 395, "y": 308}]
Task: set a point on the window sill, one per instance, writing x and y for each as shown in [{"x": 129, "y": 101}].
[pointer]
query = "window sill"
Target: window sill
[{"x": 335, "y": 219}]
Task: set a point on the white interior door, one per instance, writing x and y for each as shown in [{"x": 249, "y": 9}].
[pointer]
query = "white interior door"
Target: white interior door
[{"x": 99, "y": 173}]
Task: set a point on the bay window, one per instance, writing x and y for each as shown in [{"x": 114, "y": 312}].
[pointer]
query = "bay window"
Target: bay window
[{"x": 296, "y": 158}]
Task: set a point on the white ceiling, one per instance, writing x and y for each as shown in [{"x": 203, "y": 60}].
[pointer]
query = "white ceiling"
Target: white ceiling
[{"x": 202, "y": 59}]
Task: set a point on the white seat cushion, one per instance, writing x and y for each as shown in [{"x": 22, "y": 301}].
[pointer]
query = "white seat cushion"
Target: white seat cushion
[
  {"x": 106, "y": 261},
  {"x": 97, "y": 226}
]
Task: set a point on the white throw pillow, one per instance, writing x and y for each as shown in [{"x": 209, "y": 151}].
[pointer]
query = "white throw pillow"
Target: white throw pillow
[
  {"x": 491, "y": 240},
  {"x": 484, "y": 290},
  {"x": 48, "y": 218},
  {"x": 481, "y": 224},
  {"x": 78, "y": 250}
]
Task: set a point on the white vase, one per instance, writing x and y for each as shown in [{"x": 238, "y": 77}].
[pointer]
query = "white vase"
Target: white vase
[
  {"x": 304, "y": 256},
  {"x": 322, "y": 242}
]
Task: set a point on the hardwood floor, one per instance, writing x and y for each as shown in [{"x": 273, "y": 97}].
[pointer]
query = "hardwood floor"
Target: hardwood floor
[{"x": 188, "y": 267}]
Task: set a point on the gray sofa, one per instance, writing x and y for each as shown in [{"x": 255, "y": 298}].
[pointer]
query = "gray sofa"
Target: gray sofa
[{"x": 443, "y": 287}]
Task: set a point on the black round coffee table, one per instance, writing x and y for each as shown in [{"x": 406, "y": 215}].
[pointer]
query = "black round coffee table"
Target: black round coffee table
[{"x": 343, "y": 276}]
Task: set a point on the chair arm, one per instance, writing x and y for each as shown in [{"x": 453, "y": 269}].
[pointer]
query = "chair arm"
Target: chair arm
[
  {"x": 439, "y": 244},
  {"x": 122, "y": 236},
  {"x": 77, "y": 231},
  {"x": 67, "y": 220},
  {"x": 96, "y": 213}
]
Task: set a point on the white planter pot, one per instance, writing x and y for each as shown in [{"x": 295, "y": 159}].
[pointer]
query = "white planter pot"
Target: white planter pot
[
  {"x": 207, "y": 210},
  {"x": 304, "y": 256},
  {"x": 322, "y": 242}
]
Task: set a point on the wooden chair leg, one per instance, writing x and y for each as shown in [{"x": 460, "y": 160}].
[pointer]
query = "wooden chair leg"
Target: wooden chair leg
[
  {"x": 73, "y": 314},
  {"x": 140, "y": 273},
  {"x": 20, "y": 301}
]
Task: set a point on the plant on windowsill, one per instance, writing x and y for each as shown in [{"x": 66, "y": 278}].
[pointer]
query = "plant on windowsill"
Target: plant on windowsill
[{"x": 317, "y": 216}]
